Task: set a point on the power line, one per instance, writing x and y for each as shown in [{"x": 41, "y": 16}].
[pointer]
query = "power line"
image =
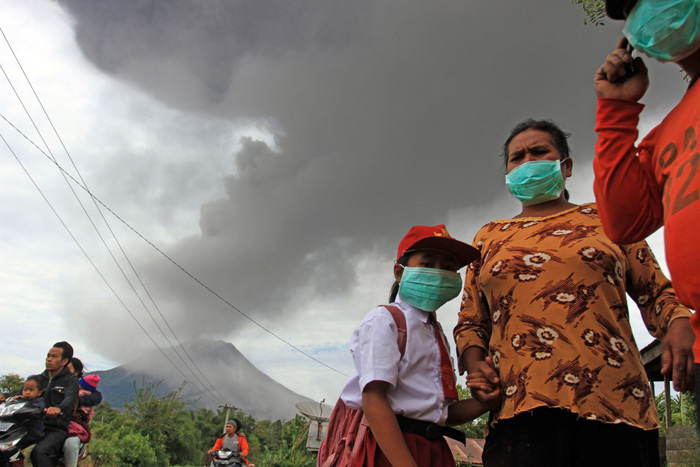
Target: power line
[
  {"x": 165, "y": 255},
  {"x": 109, "y": 227},
  {"x": 70, "y": 233},
  {"x": 98, "y": 203},
  {"x": 103, "y": 218}
]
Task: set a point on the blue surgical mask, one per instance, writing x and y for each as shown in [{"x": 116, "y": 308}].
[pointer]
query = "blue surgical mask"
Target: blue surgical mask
[
  {"x": 667, "y": 30},
  {"x": 428, "y": 288},
  {"x": 535, "y": 182}
]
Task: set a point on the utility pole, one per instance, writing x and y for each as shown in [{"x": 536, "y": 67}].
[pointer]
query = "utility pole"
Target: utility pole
[{"x": 228, "y": 411}]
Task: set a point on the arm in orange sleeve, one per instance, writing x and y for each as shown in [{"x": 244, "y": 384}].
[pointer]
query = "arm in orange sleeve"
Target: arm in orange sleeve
[
  {"x": 628, "y": 197},
  {"x": 651, "y": 290},
  {"x": 219, "y": 443},
  {"x": 473, "y": 327},
  {"x": 657, "y": 301},
  {"x": 243, "y": 445}
]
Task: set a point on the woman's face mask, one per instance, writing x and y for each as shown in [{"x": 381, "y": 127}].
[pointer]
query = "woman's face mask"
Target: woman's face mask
[
  {"x": 666, "y": 30},
  {"x": 428, "y": 288},
  {"x": 536, "y": 182}
]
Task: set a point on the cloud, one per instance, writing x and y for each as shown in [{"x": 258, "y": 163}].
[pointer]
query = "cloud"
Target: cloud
[{"x": 306, "y": 137}]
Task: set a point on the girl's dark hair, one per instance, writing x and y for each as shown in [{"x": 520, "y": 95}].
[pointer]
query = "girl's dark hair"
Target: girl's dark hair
[
  {"x": 559, "y": 138},
  {"x": 77, "y": 366},
  {"x": 403, "y": 261}
]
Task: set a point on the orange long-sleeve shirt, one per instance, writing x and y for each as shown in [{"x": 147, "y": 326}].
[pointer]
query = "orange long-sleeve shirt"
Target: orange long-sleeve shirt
[{"x": 639, "y": 189}]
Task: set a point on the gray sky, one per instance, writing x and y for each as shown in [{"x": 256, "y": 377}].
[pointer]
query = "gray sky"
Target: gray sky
[{"x": 277, "y": 150}]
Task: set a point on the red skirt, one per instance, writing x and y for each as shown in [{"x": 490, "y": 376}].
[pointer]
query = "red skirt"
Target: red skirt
[{"x": 427, "y": 453}]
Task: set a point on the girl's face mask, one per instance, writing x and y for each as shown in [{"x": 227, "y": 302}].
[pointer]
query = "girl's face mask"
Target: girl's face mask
[
  {"x": 535, "y": 182},
  {"x": 428, "y": 288},
  {"x": 667, "y": 30}
]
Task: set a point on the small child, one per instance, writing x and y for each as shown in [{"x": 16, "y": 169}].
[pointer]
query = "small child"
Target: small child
[
  {"x": 32, "y": 392},
  {"x": 88, "y": 385},
  {"x": 410, "y": 398}
]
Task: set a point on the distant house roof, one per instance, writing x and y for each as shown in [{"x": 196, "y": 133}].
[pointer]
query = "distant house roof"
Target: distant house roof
[
  {"x": 651, "y": 359},
  {"x": 470, "y": 452}
]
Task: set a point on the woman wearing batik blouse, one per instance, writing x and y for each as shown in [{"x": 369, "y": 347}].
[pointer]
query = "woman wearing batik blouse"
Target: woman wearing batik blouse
[{"x": 544, "y": 321}]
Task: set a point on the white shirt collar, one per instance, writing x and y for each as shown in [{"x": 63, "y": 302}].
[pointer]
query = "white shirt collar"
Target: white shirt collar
[{"x": 422, "y": 314}]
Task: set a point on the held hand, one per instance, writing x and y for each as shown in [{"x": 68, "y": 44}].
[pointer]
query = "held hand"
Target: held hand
[
  {"x": 482, "y": 375},
  {"x": 677, "y": 355},
  {"x": 611, "y": 81},
  {"x": 53, "y": 412},
  {"x": 483, "y": 381}
]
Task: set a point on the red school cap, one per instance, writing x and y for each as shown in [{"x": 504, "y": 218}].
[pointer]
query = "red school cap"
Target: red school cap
[{"x": 423, "y": 237}]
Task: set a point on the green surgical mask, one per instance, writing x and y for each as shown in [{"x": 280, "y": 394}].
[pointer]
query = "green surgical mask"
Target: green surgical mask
[
  {"x": 428, "y": 288},
  {"x": 667, "y": 30},
  {"x": 535, "y": 182}
]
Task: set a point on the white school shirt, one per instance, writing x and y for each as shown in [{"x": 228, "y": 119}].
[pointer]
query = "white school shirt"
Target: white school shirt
[{"x": 416, "y": 379}]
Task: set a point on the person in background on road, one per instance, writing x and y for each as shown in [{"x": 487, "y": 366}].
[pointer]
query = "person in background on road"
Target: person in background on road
[
  {"x": 639, "y": 189},
  {"x": 548, "y": 303},
  {"x": 61, "y": 396},
  {"x": 232, "y": 440}
]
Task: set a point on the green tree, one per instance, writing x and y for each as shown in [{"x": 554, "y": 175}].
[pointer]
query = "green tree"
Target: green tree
[
  {"x": 477, "y": 427},
  {"x": 10, "y": 384},
  {"x": 124, "y": 448},
  {"x": 594, "y": 10},
  {"x": 165, "y": 421},
  {"x": 291, "y": 451},
  {"x": 104, "y": 413},
  {"x": 682, "y": 410}
]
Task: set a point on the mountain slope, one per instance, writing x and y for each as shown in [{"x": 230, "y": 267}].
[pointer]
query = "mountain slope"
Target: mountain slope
[{"x": 233, "y": 376}]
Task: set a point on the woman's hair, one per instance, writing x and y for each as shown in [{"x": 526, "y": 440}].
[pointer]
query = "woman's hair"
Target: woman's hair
[
  {"x": 77, "y": 366},
  {"x": 559, "y": 136},
  {"x": 403, "y": 261}
]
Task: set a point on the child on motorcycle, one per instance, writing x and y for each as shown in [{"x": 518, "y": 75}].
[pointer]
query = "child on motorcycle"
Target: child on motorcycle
[{"x": 32, "y": 392}]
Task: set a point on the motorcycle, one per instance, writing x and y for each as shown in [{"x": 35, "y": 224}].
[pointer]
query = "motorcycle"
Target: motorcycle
[
  {"x": 15, "y": 418},
  {"x": 226, "y": 458}
]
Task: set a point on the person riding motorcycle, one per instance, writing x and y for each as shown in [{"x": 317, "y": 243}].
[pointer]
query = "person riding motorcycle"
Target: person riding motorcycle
[{"x": 232, "y": 440}]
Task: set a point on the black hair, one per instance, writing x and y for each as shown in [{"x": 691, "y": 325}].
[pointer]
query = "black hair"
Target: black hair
[
  {"x": 67, "y": 350},
  {"x": 558, "y": 136},
  {"x": 78, "y": 366},
  {"x": 37, "y": 380},
  {"x": 403, "y": 261},
  {"x": 235, "y": 422}
]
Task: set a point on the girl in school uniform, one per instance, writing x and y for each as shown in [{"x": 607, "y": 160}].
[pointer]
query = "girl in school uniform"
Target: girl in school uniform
[{"x": 409, "y": 398}]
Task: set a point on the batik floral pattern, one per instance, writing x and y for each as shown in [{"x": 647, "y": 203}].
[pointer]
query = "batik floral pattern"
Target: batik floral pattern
[{"x": 548, "y": 302}]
